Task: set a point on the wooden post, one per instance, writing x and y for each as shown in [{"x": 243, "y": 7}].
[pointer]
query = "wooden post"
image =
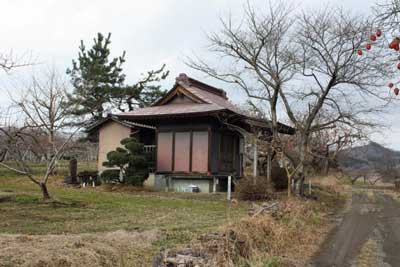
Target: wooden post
[
  {"x": 121, "y": 176},
  {"x": 73, "y": 170},
  {"x": 269, "y": 164},
  {"x": 229, "y": 187},
  {"x": 243, "y": 153},
  {"x": 167, "y": 182},
  {"x": 309, "y": 187},
  {"x": 214, "y": 184},
  {"x": 255, "y": 160}
]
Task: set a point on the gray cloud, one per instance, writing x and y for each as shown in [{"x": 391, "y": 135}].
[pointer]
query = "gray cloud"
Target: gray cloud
[{"x": 152, "y": 32}]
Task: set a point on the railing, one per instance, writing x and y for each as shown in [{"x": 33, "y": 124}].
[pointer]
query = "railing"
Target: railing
[
  {"x": 151, "y": 151},
  {"x": 150, "y": 148}
]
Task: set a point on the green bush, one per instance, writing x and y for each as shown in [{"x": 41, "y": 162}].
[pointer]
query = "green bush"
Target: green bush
[
  {"x": 135, "y": 177},
  {"x": 136, "y": 180},
  {"x": 110, "y": 176},
  {"x": 131, "y": 160}
]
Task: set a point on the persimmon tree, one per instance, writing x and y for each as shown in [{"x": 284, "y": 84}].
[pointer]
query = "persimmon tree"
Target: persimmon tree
[
  {"x": 387, "y": 15},
  {"x": 303, "y": 65},
  {"x": 387, "y": 12}
]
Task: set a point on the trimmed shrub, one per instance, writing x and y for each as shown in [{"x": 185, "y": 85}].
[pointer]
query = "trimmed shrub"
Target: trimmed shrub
[
  {"x": 110, "y": 176},
  {"x": 135, "y": 177},
  {"x": 131, "y": 160}
]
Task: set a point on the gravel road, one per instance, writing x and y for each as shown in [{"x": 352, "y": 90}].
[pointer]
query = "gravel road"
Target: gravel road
[{"x": 367, "y": 236}]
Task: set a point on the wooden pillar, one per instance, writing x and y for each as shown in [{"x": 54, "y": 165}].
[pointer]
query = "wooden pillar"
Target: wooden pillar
[
  {"x": 73, "y": 170},
  {"x": 121, "y": 176},
  {"x": 168, "y": 182},
  {"x": 255, "y": 159},
  {"x": 214, "y": 184},
  {"x": 269, "y": 164},
  {"x": 229, "y": 187},
  {"x": 242, "y": 143}
]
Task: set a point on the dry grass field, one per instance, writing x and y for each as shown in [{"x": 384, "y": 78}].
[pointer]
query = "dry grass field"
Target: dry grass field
[
  {"x": 118, "y": 228},
  {"x": 126, "y": 226}
]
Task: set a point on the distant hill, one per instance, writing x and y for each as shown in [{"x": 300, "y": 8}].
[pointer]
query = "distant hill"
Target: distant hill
[{"x": 366, "y": 156}]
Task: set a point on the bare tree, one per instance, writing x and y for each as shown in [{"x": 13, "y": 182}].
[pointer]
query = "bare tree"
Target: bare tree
[
  {"x": 387, "y": 12},
  {"x": 258, "y": 57},
  {"x": 43, "y": 104},
  {"x": 326, "y": 145},
  {"x": 40, "y": 112},
  {"x": 339, "y": 82},
  {"x": 14, "y": 141},
  {"x": 9, "y": 61},
  {"x": 306, "y": 64}
]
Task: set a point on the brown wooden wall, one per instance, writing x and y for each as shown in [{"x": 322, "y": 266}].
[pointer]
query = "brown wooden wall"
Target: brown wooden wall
[
  {"x": 183, "y": 151},
  {"x": 200, "y": 151},
  {"x": 164, "y": 151},
  {"x": 201, "y": 146}
]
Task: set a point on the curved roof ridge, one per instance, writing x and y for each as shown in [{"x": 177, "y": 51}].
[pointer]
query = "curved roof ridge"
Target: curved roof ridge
[{"x": 183, "y": 78}]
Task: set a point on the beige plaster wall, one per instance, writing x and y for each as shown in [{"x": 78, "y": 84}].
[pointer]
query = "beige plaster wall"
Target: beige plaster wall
[{"x": 110, "y": 136}]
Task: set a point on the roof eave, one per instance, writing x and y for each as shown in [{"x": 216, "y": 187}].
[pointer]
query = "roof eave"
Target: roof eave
[
  {"x": 282, "y": 128},
  {"x": 170, "y": 115},
  {"x": 115, "y": 118}
]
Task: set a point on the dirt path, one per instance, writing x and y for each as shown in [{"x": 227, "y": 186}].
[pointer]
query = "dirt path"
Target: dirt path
[{"x": 368, "y": 235}]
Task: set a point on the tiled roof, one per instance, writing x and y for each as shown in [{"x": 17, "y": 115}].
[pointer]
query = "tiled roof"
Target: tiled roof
[
  {"x": 215, "y": 100},
  {"x": 208, "y": 97},
  {"x": 206, "y": 100},
  {"x": 172, "y": 109},
  {"x": 126, "y": 123}
]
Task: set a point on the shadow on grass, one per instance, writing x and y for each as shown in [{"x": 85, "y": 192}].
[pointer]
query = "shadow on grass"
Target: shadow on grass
[{"x": 26, "y": 199}]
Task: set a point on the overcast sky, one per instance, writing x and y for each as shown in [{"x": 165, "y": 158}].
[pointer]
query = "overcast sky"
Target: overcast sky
[{"x": 152, "y": 32}]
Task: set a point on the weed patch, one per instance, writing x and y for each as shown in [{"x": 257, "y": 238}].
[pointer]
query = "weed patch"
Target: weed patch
[{"x": 285, "y": 237}]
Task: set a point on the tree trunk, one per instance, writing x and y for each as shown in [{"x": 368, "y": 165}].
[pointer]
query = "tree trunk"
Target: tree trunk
[
  {"x": 301, "y": 169},
  {"x": 45, "y": 192},
  {"x": 301, "y": 183},
  {"x": 326, "y": 166},
  {"x": 325, "y": 170},
  {"x": 51, "y": 149}
]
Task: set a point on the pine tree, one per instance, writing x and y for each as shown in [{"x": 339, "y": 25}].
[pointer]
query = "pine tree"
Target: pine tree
[
  {"x": 99, "y": 83},
  {"x": 94, "y": 77},
  {"x": 143, "y": 93}
]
